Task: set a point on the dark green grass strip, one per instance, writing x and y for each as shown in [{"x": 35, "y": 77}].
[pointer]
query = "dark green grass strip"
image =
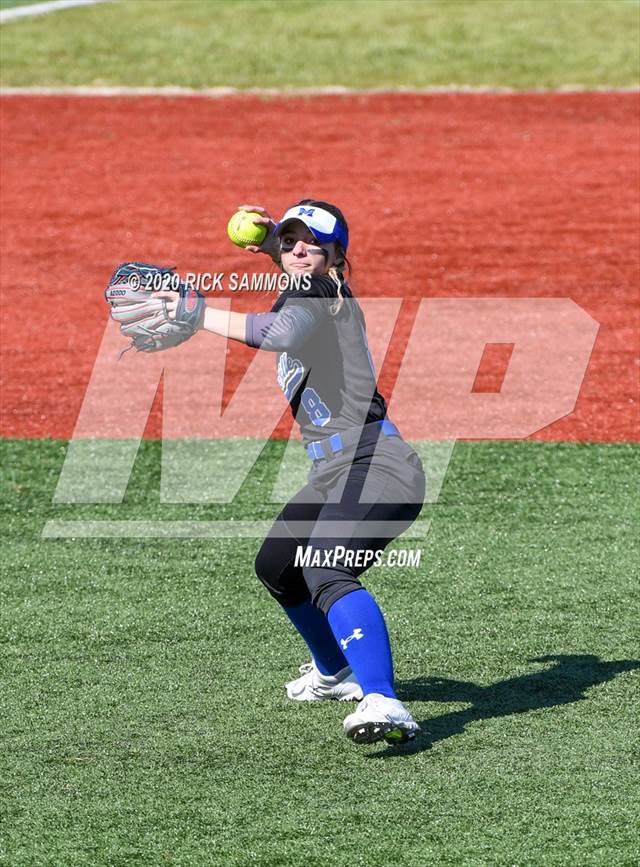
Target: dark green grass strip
[
  {"x": 11, "y": 4},
  {"x": 144, "y": 720},
  {"x": 355, "y": 43}
]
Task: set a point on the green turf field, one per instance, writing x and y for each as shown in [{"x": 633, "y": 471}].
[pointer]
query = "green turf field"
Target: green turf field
[
  {"x": 413, "y": 43},
  {"x": 144, "y": 719}
]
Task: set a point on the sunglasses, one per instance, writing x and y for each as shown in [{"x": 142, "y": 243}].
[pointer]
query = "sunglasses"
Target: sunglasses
[{"x": 287, "y": 245}]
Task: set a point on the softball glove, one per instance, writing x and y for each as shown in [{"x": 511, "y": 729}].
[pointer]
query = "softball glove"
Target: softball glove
[{"x": 132, "y": 294}]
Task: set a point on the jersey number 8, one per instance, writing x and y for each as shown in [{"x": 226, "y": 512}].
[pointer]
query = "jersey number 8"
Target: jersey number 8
[{"x": 317, "y": 411}]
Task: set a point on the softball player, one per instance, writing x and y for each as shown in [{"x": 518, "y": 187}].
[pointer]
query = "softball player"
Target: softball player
[{"x": 365, "y": 486}]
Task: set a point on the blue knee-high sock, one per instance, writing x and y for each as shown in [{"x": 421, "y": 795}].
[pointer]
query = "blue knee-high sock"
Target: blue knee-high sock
[
  {"x": 359, "y": 626},
  {"x": 313, "y": 626}
]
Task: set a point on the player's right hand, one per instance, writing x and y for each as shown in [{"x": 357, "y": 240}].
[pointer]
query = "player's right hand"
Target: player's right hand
[{"x": 271, "y": 245}]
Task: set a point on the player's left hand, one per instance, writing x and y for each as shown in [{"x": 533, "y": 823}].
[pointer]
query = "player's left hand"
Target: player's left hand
[
  {"x": 172, "y": 299},
  {"x": 153, "y": 320}
]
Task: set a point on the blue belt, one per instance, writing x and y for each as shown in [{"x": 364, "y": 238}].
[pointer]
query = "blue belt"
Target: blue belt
[{"x": 322, "y": 449}]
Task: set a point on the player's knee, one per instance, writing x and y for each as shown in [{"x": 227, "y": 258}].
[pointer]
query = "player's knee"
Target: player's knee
[
  {"x": 282, "y": 582},
  {"x": 327, "y": 587},
  {"x": 266, "y": 567}
]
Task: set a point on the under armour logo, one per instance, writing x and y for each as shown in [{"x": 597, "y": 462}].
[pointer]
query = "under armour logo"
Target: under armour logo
[
  {"x": 357, "y": 634},
  {"x": 306, "y": 212}
]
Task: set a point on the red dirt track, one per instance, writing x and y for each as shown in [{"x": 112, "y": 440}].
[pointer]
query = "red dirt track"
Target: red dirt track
[{"x": 456, "y": 195}]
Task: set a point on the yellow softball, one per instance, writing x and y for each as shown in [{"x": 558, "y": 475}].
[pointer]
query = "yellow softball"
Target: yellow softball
[{"x": 243, "y": 231}]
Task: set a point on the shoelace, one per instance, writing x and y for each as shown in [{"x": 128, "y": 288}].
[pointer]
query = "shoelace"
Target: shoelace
[{"x": 306, "y": 668}]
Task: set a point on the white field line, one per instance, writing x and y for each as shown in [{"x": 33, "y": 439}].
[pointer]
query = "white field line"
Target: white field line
[
  {"x": 219, "y": 92},
  {"x": 43, "y": 8},
  {"x": 105, "y": 529}
]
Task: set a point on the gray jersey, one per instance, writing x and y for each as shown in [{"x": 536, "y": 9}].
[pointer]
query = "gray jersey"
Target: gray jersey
[{"x": 324, "y": 366}]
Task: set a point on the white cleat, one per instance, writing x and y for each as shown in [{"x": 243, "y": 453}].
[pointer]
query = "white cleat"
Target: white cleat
[
  {"x": 380, "y": 718},
  {"x": 314, "y": 686}
]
